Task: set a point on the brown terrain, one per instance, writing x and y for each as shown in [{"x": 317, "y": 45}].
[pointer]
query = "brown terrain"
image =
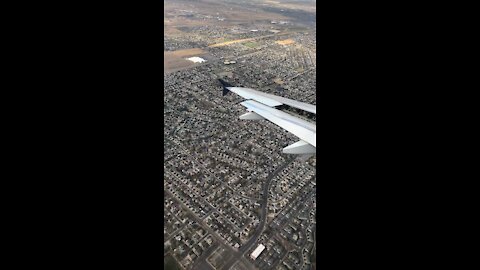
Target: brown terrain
[
  {"x": 286, "y": 42},
  {"x": 233, "y": 14},
  {"x": 306, "y": 6},
  {"x": 176, "y": 60}
]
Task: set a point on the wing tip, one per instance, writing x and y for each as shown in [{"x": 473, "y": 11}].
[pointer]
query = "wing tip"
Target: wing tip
[{"x": 300, "y": 147}]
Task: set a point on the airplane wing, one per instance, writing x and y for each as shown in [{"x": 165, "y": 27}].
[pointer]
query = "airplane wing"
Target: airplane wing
[
  {"x": 302, "y": 129},
  {"x": 261, "y": 106},
  {"x": 271, "y": 100}
]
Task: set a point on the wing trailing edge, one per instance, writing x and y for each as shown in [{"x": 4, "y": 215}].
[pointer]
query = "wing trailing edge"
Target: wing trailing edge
[
  {"x": 302, "y": 129},
  {"x": 271, "y": 100}
]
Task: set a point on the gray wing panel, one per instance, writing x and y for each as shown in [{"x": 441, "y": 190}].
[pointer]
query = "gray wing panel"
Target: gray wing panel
[
  {"x": 272, "y": 100},
  {"x": 298, "y": 127},
  {"x": 248, "y": 94}
]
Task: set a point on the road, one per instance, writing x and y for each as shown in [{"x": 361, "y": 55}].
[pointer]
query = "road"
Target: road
[
  {"x": 202, "y": 263},
  {"x": 263, "y": 216}
]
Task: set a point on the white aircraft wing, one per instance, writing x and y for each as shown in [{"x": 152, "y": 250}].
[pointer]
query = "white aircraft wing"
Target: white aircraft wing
[
  {"x": 260, "y": 106},
  {"x": 272, "y": 100},
  {"x": 304, "y": 130}
]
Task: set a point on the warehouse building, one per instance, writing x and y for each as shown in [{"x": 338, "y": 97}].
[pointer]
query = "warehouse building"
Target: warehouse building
[{"x": 257, "y": 251}]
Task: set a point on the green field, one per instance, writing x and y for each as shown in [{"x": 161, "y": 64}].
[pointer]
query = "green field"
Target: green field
[
  {"x": 170, "y": 263},
  {"x": 251, "y": 44}
]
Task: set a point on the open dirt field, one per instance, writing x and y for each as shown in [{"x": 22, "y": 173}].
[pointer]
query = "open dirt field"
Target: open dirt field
[
  {"x": 286, "y": 42},
  {"x": 175, "y": 60},
  {"x": 233, "y": 13},
  {"x": 246, "y": 40},
  {"x": 219, "y": 258},
  {"x": 309, "y": 6},
  {"x": 230, "y": 42},
  {"x": 185, "y": 53}
]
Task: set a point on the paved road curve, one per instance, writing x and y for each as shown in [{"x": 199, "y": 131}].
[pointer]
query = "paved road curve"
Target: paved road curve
[
  {"x": 202, "y": 263},
  {"x": 263, "y": 217}
]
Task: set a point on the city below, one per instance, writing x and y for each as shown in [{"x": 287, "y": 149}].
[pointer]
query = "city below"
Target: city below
[{"x": 232, "y": 199}]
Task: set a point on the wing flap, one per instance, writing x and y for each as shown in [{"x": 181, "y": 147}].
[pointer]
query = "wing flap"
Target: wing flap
[
  {"x": 245, "y": 93},
  {"x": 272, "y": 100},
  {"x": 302, "y": 129}
]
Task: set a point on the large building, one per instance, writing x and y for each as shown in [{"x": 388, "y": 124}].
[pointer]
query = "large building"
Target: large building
[{"x": 257, "y": 251}]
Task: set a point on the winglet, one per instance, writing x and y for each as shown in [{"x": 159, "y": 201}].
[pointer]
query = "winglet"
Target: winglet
[
  {"x": 225, "y": 85},
  {"x": 300, "y": 147},
  {"x": 251, "y": 116}
]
